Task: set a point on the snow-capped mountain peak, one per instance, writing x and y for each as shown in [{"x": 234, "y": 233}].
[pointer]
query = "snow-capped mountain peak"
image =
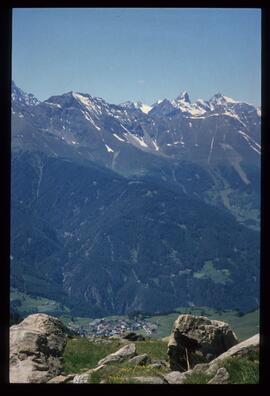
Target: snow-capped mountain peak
[
  {"x": 183, "y": 97},
  {"x": 85, "y": 100},
  {"x": 143, "y": 107},
  {"x": 165, "y": 128},
  {"x": 18, "y": 95},
  {"x": 137, "y": 105},
  {"x": 182, "y": 102},
  {"x": 220, "y": 99}
]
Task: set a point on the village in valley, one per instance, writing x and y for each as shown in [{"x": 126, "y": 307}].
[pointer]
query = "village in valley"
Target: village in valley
[{"x": 106, "y": 327}]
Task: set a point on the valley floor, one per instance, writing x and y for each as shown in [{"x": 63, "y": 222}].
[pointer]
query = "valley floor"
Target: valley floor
[{"x": 156, "y": 326}]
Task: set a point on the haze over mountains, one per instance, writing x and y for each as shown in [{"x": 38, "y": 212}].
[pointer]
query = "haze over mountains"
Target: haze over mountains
[{"x": 117, "y": 208}]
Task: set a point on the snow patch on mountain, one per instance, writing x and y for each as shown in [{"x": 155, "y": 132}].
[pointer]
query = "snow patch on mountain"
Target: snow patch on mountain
[
  {"x": 155, "y": 145},
  {"x": 133, "y": 138},
  {"x": 109, "y": 149},
  {"x": 145, "y": 108},
  {"x": 90, "y": 119},
  {"x": 118, "y": 137},
  {"x": 231, "y": 113},
  {"x": 125, "y": 128},
  {"x": 137, "y": 105},
  {"x": 254, "y": 145},
  {"x": 53, "y": 104},
  {"x": 87, "y": 101}
]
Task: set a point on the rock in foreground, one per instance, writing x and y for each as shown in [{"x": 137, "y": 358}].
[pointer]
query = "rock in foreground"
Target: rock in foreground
[
  {"x": 197, "y": 339},
  {"x": 36, "y": 348},
  {"x": 85, "y": 377},
  {"x": 139, "y": 360},
  {"x": 221, "y": 377},
  {"x": 128, "y": 351},
  {"x": 62, "y": 379},
  {"x": 175, "y": 377}
]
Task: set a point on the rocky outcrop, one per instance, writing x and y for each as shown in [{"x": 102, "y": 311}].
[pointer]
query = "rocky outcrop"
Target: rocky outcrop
[
  {"x": 197, "y": 339},
  {"x": 126, "y": 352},
  {"x": 36, "y": 348}
]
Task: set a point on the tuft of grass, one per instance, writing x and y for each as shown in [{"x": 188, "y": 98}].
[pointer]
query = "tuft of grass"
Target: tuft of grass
[
  {"x": 197, "y": 378},
  {"x": 81, "y": 354},
  {"x": 123, "y": 373},
  {"x": 242, "y": 370}
]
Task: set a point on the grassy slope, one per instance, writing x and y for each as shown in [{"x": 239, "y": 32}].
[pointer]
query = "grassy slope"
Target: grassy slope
[
  {"x": 29, "y": 304},
  {"x": 82, "y": 354},
  {"x": 241, "y": 370}
]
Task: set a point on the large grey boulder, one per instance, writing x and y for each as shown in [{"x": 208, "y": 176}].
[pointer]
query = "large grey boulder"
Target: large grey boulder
[
  {"x": 36, "y": 348},
  {"x": 126, "y": 352},
  {"x": 197, "y": 339}
]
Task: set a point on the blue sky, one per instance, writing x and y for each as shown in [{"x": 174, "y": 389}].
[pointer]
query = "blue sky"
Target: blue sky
[{"x": 138, "y": 54}]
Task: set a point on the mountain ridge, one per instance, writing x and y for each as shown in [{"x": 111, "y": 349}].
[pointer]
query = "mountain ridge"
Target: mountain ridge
[{"x": 131, "y": 210}]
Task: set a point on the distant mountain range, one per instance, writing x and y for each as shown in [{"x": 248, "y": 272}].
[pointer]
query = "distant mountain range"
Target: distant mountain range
[{"x": 117, "y": 208}]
